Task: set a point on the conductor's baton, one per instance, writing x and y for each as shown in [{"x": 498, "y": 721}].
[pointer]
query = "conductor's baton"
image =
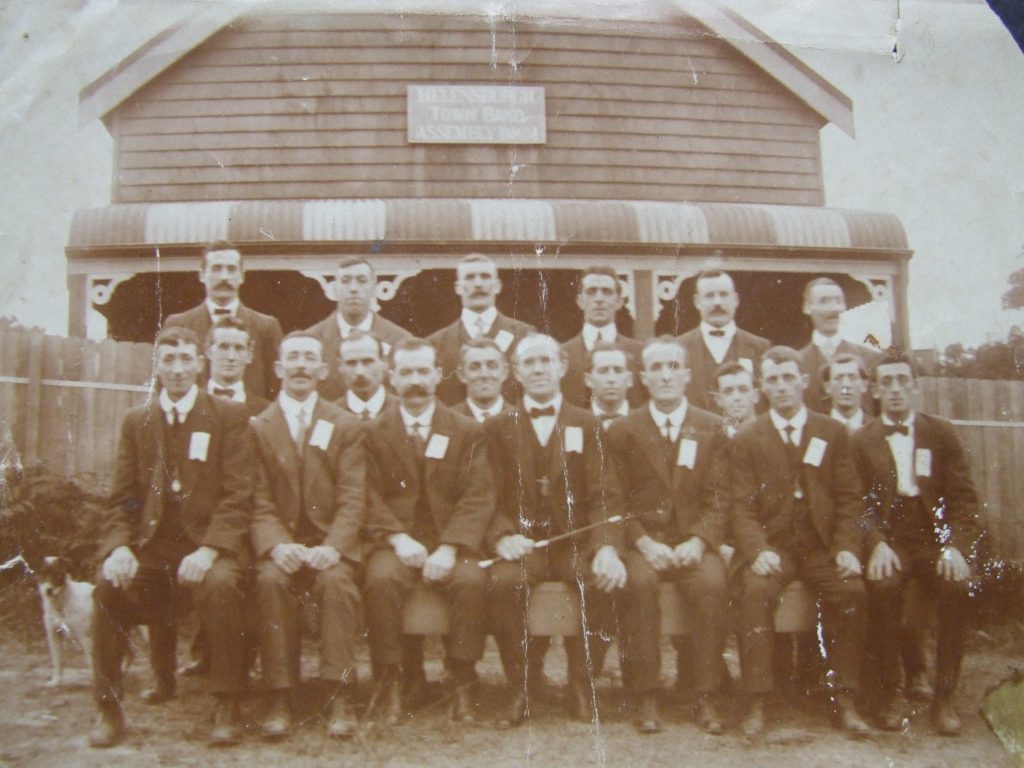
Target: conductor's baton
[{"x": 567, "y": 535}]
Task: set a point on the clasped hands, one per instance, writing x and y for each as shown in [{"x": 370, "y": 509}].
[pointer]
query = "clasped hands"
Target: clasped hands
[
  {"x": 290, "y": 557},
  {"x": 436, "y": 566},
  {"x": 661, "y": 556},
  {"x": 121, "y": 566}
]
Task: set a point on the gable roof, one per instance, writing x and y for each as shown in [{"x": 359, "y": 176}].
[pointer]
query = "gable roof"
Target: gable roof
[{"x": 116, "y": 85}]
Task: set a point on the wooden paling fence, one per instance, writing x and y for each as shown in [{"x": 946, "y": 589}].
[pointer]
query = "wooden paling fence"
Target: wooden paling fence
[{"x": 62, "y": 400}]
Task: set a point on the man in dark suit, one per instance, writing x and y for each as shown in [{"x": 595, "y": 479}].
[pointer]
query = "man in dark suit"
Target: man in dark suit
[
  {"x": 796, "y": 507},
  {"x": 222, "y": 274},
  {"x": 309, "y": 509},
  {"x": 600, "y": 298},
  {"x": 355, "y": 290},
  {"x": 550, "y": 464},
  {"x": 846, "y": 383},
  {"x": 609, "y": 378},
  {"x": 431, "y": 496},
  {"x": 362, "y": 363},
  {"x": 717, "y": 340},
  {"x": 176, "y": 518},
  {"x": 922, "y": 522},
  {"x": 824, "y": 303},
  {"x": 229, "y": 348},
  {"x": 669, "y": 459},
  {"x": 483, "y": 368},
  {"x": 477, "y": 285}
]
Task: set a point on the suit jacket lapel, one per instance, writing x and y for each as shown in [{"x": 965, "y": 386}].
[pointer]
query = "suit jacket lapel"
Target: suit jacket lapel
[
  {"x": 924, "y": 439},
  {"x": 401, "y": 443},
  {"x": 280, "y": 438},
  {"x": 653, "y": 444},
  {"x": 200, "y": 419}
]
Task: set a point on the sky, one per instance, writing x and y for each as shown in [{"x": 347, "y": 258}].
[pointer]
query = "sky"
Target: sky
[{"x": 937, "y": 88}]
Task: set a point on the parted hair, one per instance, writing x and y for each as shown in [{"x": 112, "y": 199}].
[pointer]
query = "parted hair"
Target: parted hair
[
  {"x": 815, "y": 283},
  {"x": 843, "y": 359},
  {"x": 176, "y": 336},
  {"x": 608, "y": 346},
  {"x": 408, "y": 345},
  {"x": 781, "y": 354},
  {"x": 731, "y": 368},
  {"x": 604, "y": 271},
  {"x": 359, "y": 335},
  {"x": 481, "y": 342},
  {"x": 663, "y": 339},
  {"x": 230, "y": 321},
  {"x": 300, "y": 335},
  {"x": 891, "y": 357},
  {"x": 219, "y": 245}
]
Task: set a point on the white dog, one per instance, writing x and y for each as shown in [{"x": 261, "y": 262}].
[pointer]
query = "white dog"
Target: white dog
[{"x": 67, "y": 609}]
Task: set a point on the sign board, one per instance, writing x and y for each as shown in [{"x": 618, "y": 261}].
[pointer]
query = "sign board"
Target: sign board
[{"x": 476, "y": 114}]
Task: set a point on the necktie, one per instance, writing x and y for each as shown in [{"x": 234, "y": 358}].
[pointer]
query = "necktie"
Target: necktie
[
  {"x": 536, "y": 413},
  {"x": 417, "y": 432},
  {"x": 223, "y": 392},
  {"x": 666, "y": 429},
  {"x": 478, "y": 325},
  {"x": 300, "y": 433},
  {"x": 221, "y": 312},
  {"x": 717, "y": 333},
  {"x": 365, "y": 415},
  {"x": 892, "y": 429}
]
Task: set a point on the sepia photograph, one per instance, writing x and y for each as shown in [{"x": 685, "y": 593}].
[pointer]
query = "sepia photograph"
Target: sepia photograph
[{"x": 440, "y": 382}]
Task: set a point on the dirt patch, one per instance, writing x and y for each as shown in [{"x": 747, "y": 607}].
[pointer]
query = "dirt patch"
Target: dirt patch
[{"x": 40, "y": 726}]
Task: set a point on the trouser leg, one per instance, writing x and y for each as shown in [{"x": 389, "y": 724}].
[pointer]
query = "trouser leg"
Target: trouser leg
[
  {"x": 641, "y": 626},
  {"x": 279, "y": 626},
  {"x": 704, "y": 589},
  {"x": 337, "y": 596},
  {"x": 758, "y": 598},
  {"x": 387, "y": 583},
  {"x": 220, "y": 600}
]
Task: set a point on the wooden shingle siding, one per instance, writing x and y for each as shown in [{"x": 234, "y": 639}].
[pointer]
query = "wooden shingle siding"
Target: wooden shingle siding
[{"x": 293, "y": 107}]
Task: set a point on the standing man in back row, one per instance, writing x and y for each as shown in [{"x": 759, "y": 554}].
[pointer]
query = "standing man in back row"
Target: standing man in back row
[
  {"x": 355, "y": 287},
  {"x": 477, "y": 285},
  {"x": 717, "y": 340},
  {"x": 824, "y": 303},
  {"x": 600, "y": 298},
  {"x": 222, "y": 274}
]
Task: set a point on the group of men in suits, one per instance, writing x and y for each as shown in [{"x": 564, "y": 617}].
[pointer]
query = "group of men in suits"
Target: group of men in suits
[{"x": 487, "y": 459}]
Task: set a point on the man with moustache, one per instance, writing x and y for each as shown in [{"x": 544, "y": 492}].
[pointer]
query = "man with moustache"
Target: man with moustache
[
  {"x": 600, "y": 298},
  {"x": 222, "y": 274},
  {"x": 362, "y": 365},
  {"x": 717, "y": 340},
  {"x": 825, "y": 303},
  {"x": 431, "y": 496},
  {"x": 355, "y": 290},
  {"x": 484, "y": 370},
  {"x": 670, "y": 463},
  {"x": 922, "y": 522},
  {"x": 228, "y": 353},
  {"x": 796, "y": 510},
  {"x": 550, "y": 464},
  {"x": 176, "y": 519},
  {"x": 609, "y": 378},
  {"x": 477, "y": 285},
  {"x": 309, "y": 508}
]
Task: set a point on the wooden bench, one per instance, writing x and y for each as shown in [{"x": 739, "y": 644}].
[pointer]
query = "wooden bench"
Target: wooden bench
[{"x": 555, "y": 610}]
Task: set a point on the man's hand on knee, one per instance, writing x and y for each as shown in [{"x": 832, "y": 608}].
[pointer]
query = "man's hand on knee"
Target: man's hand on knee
[
  {"x": 952, "y": 566},
  {"x": 410, "y": 552},
  {"x": 288, "y": 556},
  {"x": 609, "y": 569},
  {"x": 322, "y": 557},
  {"x": 883, "y": 563},
  {"x": 766, "y": 563},
  {"x": 120, "y": 567},
  {"x": 440, "y": 563},
  {"x": 514, "y": 547},
  {"x": 194, "y": 567}
]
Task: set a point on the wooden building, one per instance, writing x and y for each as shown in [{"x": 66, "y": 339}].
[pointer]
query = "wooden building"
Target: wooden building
[{"x": 659, "y": 146}]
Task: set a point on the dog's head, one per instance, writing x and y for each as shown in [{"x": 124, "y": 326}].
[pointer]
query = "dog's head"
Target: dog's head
[{"x": 52, "y": 575}]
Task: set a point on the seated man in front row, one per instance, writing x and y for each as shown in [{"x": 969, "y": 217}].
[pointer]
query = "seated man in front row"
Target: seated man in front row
[
  {"x": 669, "y": 460},
  {"x": 431, "y": 495},
  {"x": 309, "y": 509},
  {"x": 795, "y": 511},
  {"x": 922, "y": 523},
  {"x": 177, "y": 516},
  {"x": 550, "y": 466}
]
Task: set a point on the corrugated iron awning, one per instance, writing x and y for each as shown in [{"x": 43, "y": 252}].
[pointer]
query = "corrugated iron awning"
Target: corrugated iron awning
[{"x": 532, "y": 222}]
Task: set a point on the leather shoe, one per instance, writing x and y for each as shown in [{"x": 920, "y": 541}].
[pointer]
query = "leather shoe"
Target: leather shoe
[
  {"x": 226, "y": 728},
  {"x": 847, "y": 718},
  {"x": 707, "y": 716},
  {"x": 893, "y": 715},
  {"x": 647, "y": 720},
  {"x": 515, "y": 712},
  {"x": 919, "y": 687},
  {"x": 579, "y": 704},
  {"x": 341, "y": 718},
  {"x": 277, "y": 723},
  {"x": 158, "y": 694},
  {"x": 109, "y": 727},
  {"x": 947, "y": 721},
  {"x": 752, "y": 724},
  {"x": 462, "y": 706}
]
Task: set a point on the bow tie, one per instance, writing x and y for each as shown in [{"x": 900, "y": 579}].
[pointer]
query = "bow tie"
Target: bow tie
[
  {"x": 223, "y": 392},
  {"x": 717, "y": 332},
  {"x": 892, "y": 429},
  {"x": 221, "y": 312},
  {"x": 536, "y": 413}
]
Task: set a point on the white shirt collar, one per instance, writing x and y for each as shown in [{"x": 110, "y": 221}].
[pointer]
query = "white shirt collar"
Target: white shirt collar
[
  {"x": 373, "y": 406},
  {"x": 907, "y": 422},
  {"x": 854, "y": 422},
  {"x": 237, "y": 389},
  {"x": 183, "y": 406},
  {"x": 622, "y": 410},
  {"x": 232, "y": 309},
  {"x": 293, "y": 407},
  {"x": 469, "y": 318},
  {"x": 823, "y": 342},
  {"x": 529, "y": 402},
  {"x": 729, "y": 330},
  {"x": 675, "y": 419},
  {"x": 797, "y": 422},
  {"x": 426, "y": 418},
  {"x": 591, "y": 333},
  {"x": 483, "y": 413},
  {"x": 363, "y": 325}
]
